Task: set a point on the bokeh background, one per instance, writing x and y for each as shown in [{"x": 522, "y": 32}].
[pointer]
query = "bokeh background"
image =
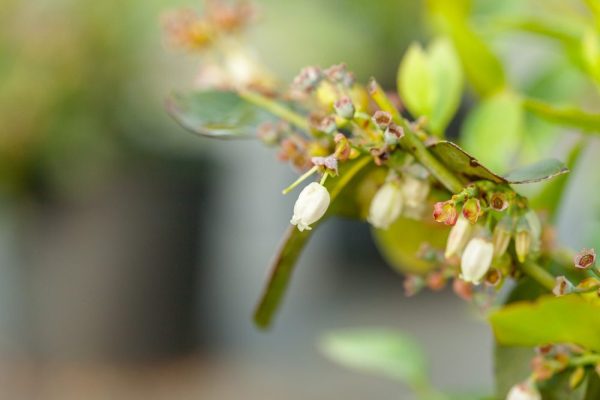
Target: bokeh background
[{"x": 132, "y": 252}]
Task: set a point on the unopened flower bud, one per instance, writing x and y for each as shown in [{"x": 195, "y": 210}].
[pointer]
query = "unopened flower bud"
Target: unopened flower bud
[
  {"x": 472, "y": 210},
  {"x": 386, "y": 205},
  {"x": 413, "y": 284},
  {"x": 311, "y": 205},
  {"x": 382, "y": 119},
  {"x": 523, "y": 239},
  {"x": 562, "y": 286},
  {"x": 308, "y": 79},
  {"x": 328, "y": 125},
  {"x": 344, "y": 107},
  {"x": 414, "y": 190},
  {"x": 524, "y": 391},
  {"x": 463, "y": 289},
  {"x": 436, "y": 281},
  {"x": 445, "y": 212},
  {"x": 498, "y": 201},
  {"x": 585, "y": 259},
  {"x": 476, "y": 259},
  {"x": 458, "y": 237},
  {"x": 502, "y": 235}
]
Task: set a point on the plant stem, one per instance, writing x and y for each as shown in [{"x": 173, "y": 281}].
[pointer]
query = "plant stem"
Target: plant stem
[
  {"x": 276, "y": 109},
  {"x": 539, "y": 274},
  {"x": 299, "y": 180},
  {"x": 412, "y": 144}
]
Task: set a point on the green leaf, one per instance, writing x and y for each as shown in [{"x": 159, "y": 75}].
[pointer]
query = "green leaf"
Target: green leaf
[
  {"x": 294, "y": 242},
  {"x": 430, "y": 83},
  {"x": 590, "y": 53},
  {"x": 493, "y": 130},
  {"x": 415, "y": 81},
  {"x": 550, "y": 197},
  {"x": 217, "y": 114},
  {"x": 567, "y": 319},
  {"x": 461, "y": 162},
  {"x": 448, "y": 83},
  {"x": 482, "y": 68},
  {"x": 539, "y": 171},
  {"x": 382, "y": 352},
  {"x": 566, "y": 116}
]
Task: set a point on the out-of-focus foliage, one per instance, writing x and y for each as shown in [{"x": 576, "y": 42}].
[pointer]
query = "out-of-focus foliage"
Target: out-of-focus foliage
[{"x": 79, "y": 81}]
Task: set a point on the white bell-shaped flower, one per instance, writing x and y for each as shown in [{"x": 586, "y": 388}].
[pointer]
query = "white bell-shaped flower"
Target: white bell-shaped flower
[
  {"x": 311, "y": 205},
  {"x": 458, "y": 237},
  {"x": 524, "y": 391},
  {"x": 476, "y": 259},
  {"x": 386, "y": 205}
]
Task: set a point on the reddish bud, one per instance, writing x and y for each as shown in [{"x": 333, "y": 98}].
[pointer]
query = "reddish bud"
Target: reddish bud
[
  {"x": 339, "y": 74},
  {"x": 436, "y": 281},
  {"x": 445, "y": 212},
  {"x": 472, "y": 210},
  {"x": 329, "y": 164},
  {"x": 412, "y": 285},
  {"x": 585, "y": 259},
  {"x": 308, "y": 79},
  {"x": 463, "y": 289}
]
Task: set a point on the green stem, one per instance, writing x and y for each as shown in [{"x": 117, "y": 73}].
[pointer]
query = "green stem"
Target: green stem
[
  {"x": 412, "y": 144},
  {"x": 587, "y": 359},
  {"x": 300, "y": 180},
  {"x": 276, "y": 109},
  {"x": 539, "y": 274}
]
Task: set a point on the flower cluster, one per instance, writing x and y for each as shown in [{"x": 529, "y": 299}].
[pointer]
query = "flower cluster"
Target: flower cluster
[{"x": 485, "y": 218}]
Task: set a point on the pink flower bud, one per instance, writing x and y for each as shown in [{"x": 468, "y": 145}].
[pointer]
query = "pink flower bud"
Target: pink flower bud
[
  {"x": 436, "y": 281},
  {"x": 472, "y": 210},
  {"x": 445, "y": 212},
  {"x": 463, "y": 289},
  {"x": 476, "y": 259},
  {"x": 311, "y": 205},
  {"x": 585, "y": 258},
  {"x": 308, "y": 79},
  {"x": 413, "y": 284}
]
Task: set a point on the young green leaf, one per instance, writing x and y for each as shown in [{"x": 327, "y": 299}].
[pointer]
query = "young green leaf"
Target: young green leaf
[
  {"x": 383, "y": 352},
  {"x": 493, "y": 130},
  {"x": 430, "y": 83},
  {"x": 415, "y": 81},
  {"x": 536, "y": 172}
]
